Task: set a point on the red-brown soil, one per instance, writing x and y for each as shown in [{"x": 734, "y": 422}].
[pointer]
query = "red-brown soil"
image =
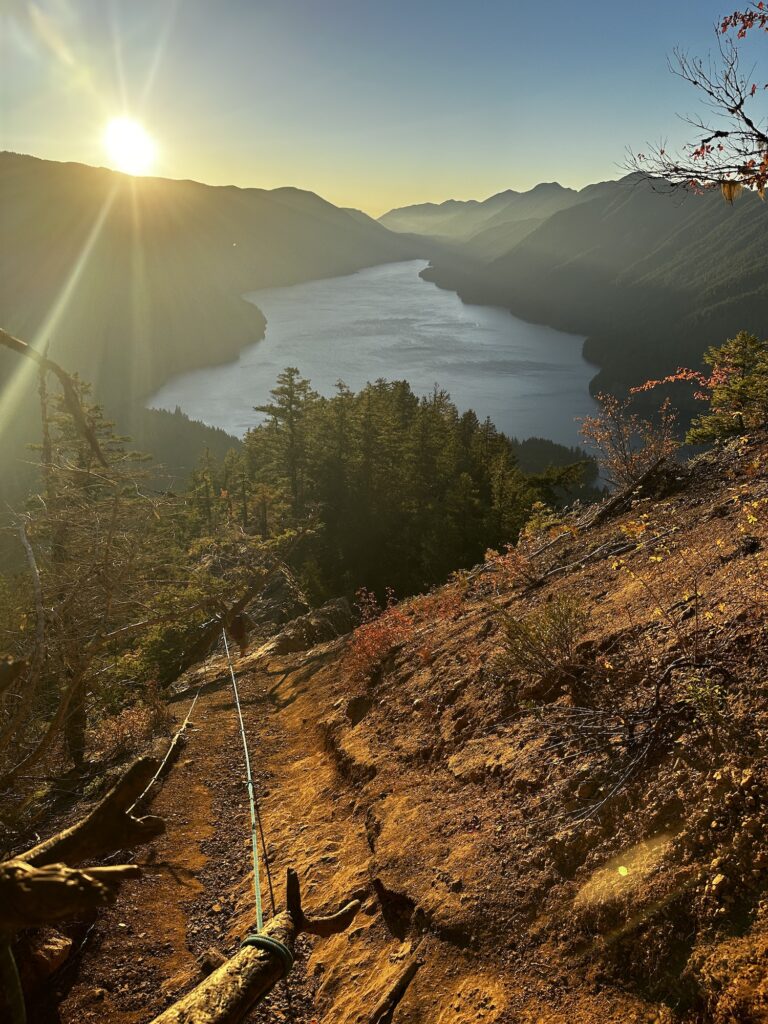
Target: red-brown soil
[{"x": 561, "y": 849}]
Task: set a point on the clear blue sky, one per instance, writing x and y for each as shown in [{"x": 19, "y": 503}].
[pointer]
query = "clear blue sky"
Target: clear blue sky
[{"x": 372, "y": 103}]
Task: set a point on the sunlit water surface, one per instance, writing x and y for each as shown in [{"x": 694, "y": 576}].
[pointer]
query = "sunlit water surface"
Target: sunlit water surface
[{"x": 387, "y": 322}]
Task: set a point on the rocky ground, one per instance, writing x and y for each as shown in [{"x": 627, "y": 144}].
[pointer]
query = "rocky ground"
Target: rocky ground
[{"x": 577, "y": 837}]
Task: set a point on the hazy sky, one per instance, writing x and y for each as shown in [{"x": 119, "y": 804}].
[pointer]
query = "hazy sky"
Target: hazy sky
[{"x": 373, "y": 103}]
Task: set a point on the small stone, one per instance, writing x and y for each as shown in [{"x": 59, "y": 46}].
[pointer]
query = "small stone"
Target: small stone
[
  {"x": 51, "y": 953},
  {"x": 95, "y": 995},
  {"x": 210, "y": 960},
  {"x": 587, "y": 789},
  {"x": 717, "y": 886}
]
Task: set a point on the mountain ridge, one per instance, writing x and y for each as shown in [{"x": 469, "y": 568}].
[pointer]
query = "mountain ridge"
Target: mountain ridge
[
  {"x": 650, "y": 279},
  {"x": 457, "y": 218},
  {"x": 131, "y": 280}
]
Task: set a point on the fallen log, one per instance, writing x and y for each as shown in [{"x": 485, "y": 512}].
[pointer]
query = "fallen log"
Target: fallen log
[
  {"x": 109, "y": 827},
  {"x": 607, "y": 508},
  {"x": 31, "y": 896},
  {"x": 229, "y": 993},
  {"x": 37, "y": 887}
]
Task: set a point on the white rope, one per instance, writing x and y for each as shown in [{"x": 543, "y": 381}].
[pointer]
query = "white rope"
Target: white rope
[
  {"x": 251, "y": 795},
  {"x": 169, "y": 751}
]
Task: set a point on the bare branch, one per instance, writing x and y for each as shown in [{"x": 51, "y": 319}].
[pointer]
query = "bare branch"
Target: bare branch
[
  {"x": 109, "y": 827},
  {"x": 730, "y": 149},
  {"x": 67, "y": 385}
]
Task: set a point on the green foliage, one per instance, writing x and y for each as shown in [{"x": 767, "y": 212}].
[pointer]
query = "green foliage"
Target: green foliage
[
  {"x": 545, "y": 639},
  {"x": 738, "y": 388},
  {"x": 379, "y": 488},
  {"x": 707, "y": 697},
  {"x": 400, "y": 490},
  {"x": 128, "y": 574}
]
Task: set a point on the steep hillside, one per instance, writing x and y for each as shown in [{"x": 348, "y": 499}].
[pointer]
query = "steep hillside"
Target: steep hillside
[
  {"x": 651, "y": 278},
  {"x": 129, "y": 280},
  {"x": 561, "y": 831},
  {"x": 159, "y": 266}
]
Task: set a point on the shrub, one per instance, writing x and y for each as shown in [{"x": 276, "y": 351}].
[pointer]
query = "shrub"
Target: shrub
[
  {"x": 128, "y": 731},
  {"x": 707, "y": 697},
  {"x": 629, "y": 444},
  {"x": 510, "y": 568},
  {"x": 380, "y": 631},
  {"x": 544, "y": 640},
  {"x": 736, "y": 389}
]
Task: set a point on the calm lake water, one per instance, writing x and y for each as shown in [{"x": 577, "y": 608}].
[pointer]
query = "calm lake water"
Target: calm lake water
[{"x": 386, "y": 322}]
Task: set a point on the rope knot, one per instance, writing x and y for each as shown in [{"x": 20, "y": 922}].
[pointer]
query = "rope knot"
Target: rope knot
[{"x": 270, "y": 945}]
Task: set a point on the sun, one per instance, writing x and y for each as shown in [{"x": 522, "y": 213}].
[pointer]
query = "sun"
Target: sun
[{"x": 128, "y": 146}]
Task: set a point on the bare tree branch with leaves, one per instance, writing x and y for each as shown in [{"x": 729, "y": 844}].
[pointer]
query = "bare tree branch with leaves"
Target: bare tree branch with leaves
[{"x": 729, "y": 149}]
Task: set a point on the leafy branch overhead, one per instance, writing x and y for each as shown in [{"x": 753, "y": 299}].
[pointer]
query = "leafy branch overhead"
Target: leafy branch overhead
[{"x": 729, "y": 148}]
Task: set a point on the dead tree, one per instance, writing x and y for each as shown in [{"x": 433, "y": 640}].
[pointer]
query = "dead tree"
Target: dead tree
[
  {"x": 67, "y": 386},
  {"x": 230, "y": 992},
  {"x": 39, "y": 887},
  {"x": 109, "y": 827}
]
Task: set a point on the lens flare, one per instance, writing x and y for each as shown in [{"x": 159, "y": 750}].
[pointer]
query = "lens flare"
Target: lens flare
[{"x": 128, "y": 146}]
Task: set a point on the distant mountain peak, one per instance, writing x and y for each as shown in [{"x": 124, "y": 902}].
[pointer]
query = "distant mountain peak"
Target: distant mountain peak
[{"x": 549, "y": 186}]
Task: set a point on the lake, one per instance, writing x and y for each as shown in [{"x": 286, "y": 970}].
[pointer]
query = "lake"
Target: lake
[{"x": 387, "y": 322}]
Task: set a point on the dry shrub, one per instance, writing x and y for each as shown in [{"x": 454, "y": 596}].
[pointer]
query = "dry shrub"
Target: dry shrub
[
  {"x": 384, "y": 629},
  {"x": 131, "y": 729},
  {"x": 627, "y": 443},
  {"x": 380, "y": 631},
  {"x": 438, "y": 605},
  {"x": 510, "y": 568},
  {"x": 544, "y": 640}
]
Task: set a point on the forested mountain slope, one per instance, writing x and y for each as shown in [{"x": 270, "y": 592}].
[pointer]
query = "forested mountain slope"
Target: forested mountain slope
[
  {"x": 652, "y": 278},
  {"x": 164, "y": 264},
  {"x": 129, "y": 280}
]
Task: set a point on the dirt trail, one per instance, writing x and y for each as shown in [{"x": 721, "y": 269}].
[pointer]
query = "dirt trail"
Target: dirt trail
[{"x": 197, "y": 891}]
